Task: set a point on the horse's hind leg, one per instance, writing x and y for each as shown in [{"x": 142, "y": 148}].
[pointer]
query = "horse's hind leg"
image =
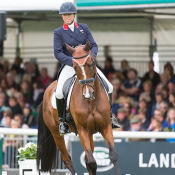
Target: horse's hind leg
[
  {"x": 108, "y": 136},
  {"x": 59, "y": 140},
  {"x": 88, "y": 146}
]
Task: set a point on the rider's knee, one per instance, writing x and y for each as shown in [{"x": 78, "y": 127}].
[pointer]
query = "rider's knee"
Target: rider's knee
[
  {"x": 59, "y": 94},
  {"x": 110, "y": 88}
]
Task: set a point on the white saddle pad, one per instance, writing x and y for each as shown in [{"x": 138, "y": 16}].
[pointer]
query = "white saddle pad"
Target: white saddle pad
[{"x": 53, "y": 99}]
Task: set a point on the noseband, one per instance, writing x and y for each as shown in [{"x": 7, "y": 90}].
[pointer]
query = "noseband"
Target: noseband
[{"x": 87, "y": 81}]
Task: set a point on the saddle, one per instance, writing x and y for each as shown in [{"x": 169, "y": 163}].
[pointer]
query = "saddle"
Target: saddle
[{"x": 67, "y": 90}]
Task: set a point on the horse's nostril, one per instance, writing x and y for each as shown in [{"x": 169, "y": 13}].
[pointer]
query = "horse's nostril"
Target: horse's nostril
[{"x": 92, "y": 95}]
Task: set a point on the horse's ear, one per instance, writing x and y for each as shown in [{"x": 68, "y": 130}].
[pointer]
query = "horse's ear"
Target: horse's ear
[
  {"x": 70, "y": 49},
  {"x": 87, "y": 46}
]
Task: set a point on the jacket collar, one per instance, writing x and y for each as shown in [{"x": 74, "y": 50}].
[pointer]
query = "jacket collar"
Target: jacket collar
[{"x": 65, "y": 27}]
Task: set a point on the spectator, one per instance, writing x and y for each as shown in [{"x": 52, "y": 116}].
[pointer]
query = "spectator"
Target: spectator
[
  {"x": 135, "y": 125},
  {"x": 164, "y": 108},
  {"x": 155, "y": 125},
  {"x": 2, "y": 104},
  {"x": 27, "y": 77},
  {"x": 109, "y": 69},
  {"x": 152, "y": 75},
  {"x": 20, "y": 99},
  {"x": 118, "y": 75},
  {"x": 1, "y": 71},
  {"x": 159, "y": 115},
  {"x": 8, "y": 120},
  {"x": 12, "y": 86},
  {"x": 156, "y": 104},
  {"x": 19, "y": 119},
  {"x": 124, "y": 68},
  {"x": 18, "y": 63},
  {"x": 14, "y": 105},
  {"x": 144, "y": 105},
  {"x": 165, "y": 81},
  {"x": 145, "y": 96},
  {"x": 168, "y": 69},
  {"x": 10, "y": 146},
  {"x": 143, "y": 118},
  {"x": 170, "y": 121},
  {"x": 46, "y": 80},
  {"x": 132, "y": 103},
  {"x": 31, "y": 70},
  {"x": 118, "y": 102},
  {"x": 147, "y": 88},
  {"x": 128, "y": 108},
  {"x": 132, "y": 85},
  {"x": 116, "y": 89},
  {"x": 28, "y": 118},
  {"x": 38, "y": 92},
  {"x": 25, "y": 90},
  {"x": 7, "y": 112},
  {"x": 171, "y": 100},
  {"x": 3, "y": 84},
  {"x": 122, "y": 119},
  {"x": 165, "y": 92},
  {"x": 16, "y": 74},
  {"x": 169, "y": 124},
  {"x": 5, "y": 67}
]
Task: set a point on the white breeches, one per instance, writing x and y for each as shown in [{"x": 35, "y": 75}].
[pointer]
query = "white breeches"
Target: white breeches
[{"x": 68, "y": 72}]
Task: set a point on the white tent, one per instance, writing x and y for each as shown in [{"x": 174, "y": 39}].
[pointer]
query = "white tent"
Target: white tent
[{"x": 31, "y": 5}]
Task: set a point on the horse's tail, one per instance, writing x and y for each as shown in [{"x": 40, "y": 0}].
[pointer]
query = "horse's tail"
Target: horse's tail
[{"x": 46, "y": 147}]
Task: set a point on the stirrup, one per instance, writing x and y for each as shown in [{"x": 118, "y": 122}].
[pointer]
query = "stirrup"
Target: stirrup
[
  {"x": 114, "y": 123},
  {"x": 66, "y": 129}
]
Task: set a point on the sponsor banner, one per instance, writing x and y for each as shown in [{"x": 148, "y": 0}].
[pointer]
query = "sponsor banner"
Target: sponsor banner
[{"x": 135, "y": 158}]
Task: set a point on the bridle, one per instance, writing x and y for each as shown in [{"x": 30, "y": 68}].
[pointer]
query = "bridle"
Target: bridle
[{"x": 87, "y": 81}]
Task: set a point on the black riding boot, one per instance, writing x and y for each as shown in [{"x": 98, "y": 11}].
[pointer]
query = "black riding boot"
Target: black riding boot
[
  {"x": 114, "y": 121},
  {"x": 64, "y": 127}
]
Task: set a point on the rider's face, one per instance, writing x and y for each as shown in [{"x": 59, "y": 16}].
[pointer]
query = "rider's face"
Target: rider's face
[{"x": 68, "y": 18}]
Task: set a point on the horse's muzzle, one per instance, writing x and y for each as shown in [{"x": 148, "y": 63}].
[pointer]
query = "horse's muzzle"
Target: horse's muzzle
[{"x": 90, "y": 97}]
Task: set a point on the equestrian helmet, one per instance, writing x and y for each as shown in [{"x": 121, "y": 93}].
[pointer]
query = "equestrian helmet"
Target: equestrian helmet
[{"x": 67, "y": 7}]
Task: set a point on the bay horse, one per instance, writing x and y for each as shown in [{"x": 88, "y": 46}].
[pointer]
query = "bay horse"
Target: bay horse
[{"x": 90, "y": 109}]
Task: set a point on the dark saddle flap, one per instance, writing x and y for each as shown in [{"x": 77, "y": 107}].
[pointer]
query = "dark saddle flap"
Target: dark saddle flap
[
  {"x": 67, "y": 85},
  {"x": 103, "y": 83}
]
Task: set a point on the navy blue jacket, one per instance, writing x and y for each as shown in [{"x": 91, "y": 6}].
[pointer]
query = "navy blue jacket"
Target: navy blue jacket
[{"x": 79, "y": 36}]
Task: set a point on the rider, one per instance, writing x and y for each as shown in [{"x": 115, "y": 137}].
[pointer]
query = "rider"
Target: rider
[{"x": 73, "y": 34}]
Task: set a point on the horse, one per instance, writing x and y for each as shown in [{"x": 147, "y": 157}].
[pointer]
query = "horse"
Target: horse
[{"x": 90, "y": 109}]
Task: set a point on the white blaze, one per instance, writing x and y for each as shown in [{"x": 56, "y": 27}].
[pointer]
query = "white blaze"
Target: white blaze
[{"x": 87, "y": 94}]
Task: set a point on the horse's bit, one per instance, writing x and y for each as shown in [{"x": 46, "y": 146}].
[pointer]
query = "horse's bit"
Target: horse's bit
[{"x": 87, "y": 81}]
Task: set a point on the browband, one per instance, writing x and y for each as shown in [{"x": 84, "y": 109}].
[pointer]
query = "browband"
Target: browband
[{"x": 81, "y": 56}]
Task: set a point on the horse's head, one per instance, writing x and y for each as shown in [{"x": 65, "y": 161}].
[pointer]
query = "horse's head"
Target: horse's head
[{"x": 84, "y": 65}]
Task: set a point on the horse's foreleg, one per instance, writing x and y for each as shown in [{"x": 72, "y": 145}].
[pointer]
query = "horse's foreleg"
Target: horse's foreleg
[
  {"x": 59, "y": 140},
  {"x": 108, "y": 136},
  {"x": 88, "y": 145}
]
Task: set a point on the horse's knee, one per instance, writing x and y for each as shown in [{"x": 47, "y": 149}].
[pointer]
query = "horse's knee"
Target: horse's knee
[{"x": 113, "y": 155}]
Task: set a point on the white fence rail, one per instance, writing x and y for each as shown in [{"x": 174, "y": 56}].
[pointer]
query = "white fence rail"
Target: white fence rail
[{"x": 116, "y": 134}]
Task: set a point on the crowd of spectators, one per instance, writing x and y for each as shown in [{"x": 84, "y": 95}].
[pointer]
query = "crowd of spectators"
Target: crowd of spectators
[
  {"x": 142, "y": 103},
  {"x": 139, "y": 103},
  {"x": 22, "y": 87}
]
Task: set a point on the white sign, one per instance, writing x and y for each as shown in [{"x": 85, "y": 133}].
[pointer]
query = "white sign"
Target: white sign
[
  {"x": 101, "y": 156},
  {"x": 161, "y": 161}
]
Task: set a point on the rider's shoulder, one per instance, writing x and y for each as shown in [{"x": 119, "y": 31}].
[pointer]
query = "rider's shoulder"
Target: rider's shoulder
[{"x": 58, "y": 29}]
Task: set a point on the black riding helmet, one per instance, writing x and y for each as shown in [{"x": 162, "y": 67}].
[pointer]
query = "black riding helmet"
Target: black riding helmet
[{"x": 67, "y": 7}]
